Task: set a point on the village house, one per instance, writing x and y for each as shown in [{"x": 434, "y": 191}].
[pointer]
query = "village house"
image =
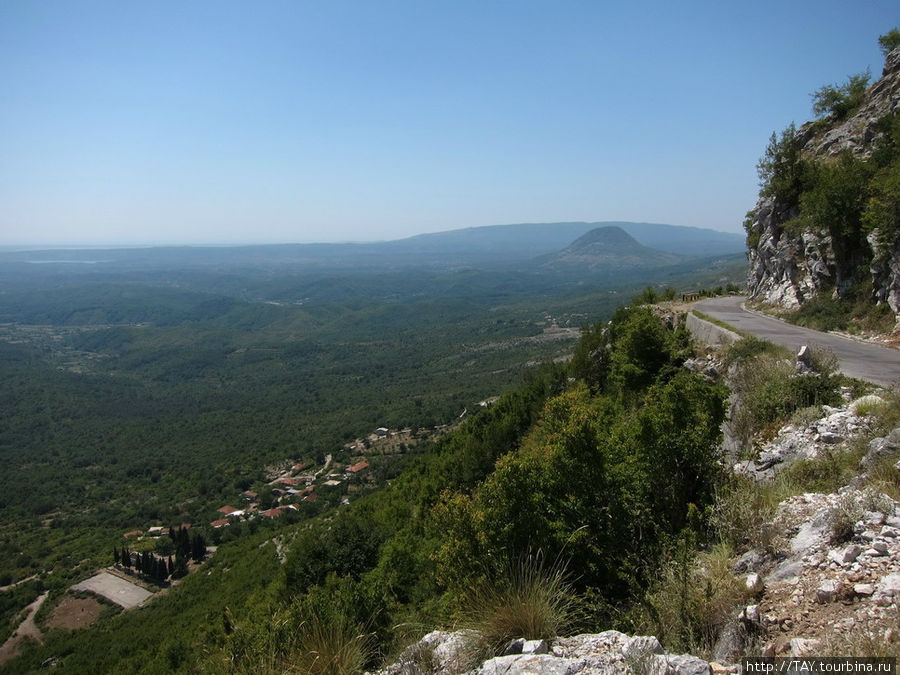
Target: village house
[{"x": 359, "y": 466}]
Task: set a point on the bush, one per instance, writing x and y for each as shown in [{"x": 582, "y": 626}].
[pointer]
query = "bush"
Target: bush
[
  {"x": 889, "y": 41},
  {"x": 769, "y": 391},
  {"x": 841, "y": 100}
]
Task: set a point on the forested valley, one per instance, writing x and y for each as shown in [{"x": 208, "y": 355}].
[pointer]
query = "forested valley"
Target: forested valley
[{"x": 147, "y": 399}]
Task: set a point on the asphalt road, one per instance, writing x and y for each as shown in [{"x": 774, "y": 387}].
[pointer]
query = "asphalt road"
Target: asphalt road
[{"x": 861, "y": 360}]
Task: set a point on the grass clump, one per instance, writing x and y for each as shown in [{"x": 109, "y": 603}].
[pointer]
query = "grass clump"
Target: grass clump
[
  {"x": 741, "y": 517},
  {"x": 694, "y": 599},
  {"x": 531, "y": 600},
  {"x": 332, "y": 647}
]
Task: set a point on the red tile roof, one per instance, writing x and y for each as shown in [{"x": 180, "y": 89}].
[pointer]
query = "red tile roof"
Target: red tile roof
[
  {"x": 227, "y": 509},
  {"x": 359, "y": 466},
  {"x": 219, "y": 523}
]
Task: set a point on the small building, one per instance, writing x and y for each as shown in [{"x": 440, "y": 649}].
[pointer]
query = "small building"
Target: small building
[
  {"x": 381, "y": 432},
  {"x": 133, "y": 533},
  {"x": 247, "y": 494},
  {"x": 359, "y": 466},
  {"x": 227, "y": 510},
  {"x": 311, "y": 497},
  {"x": 155, "y": 531},
  {"x": 216, "y": 524}
]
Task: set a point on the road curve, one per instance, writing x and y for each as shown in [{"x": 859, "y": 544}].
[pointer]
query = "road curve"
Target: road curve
[{"x": 861, "y": 360}]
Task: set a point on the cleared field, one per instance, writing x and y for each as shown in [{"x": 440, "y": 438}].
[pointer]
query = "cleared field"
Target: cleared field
[
  {"x": 74, "y": 613},
  {"x": 122, "y": 592}
]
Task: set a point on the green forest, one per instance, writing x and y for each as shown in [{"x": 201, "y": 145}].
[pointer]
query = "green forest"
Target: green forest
[{"x": 131, "y": 403}]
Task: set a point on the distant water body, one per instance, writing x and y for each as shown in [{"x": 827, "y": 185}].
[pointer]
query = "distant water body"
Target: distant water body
[{"x": 65, "y": 262}]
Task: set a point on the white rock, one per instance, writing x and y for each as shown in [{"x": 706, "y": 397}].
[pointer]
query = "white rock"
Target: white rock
[
  {"x": 754, "y": 583},
  {"x": 685, "y": 664},
  {"x": 850, "y": 553},
  {"x": 750, "y": 614},
  {"x": 887, "y": 587},
  {"x": 864, "y": 589},
  {"x": 535, "y": 647},
  {"x": 641, "y": 646},
  {"x": 827, "y": 591},
  {"x": 805, "y": 647}
]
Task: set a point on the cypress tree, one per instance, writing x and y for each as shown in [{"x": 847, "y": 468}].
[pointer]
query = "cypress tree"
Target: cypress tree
[
  {"x": 198, "y": 547},
  {"x": 115, "y": 555}
]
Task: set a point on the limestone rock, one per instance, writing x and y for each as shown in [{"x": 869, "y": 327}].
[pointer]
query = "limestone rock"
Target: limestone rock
[
  {"x": 805, "y": 647},
  {"x": 789, "y": 266}
]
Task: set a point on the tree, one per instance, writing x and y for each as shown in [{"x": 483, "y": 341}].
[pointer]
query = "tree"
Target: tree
[
  {"x": 116, "y": 554},
  {"x": 198, "y": 547},
  {"x": 783, "y": 173},
  {"x": 889, "y": 41},
  {"x": 181, "y": 568}
]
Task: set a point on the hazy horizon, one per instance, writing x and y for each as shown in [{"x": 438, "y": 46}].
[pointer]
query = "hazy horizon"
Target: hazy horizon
[
  {"x": 213, "y": 244},
  {"x": 128, "y": 124}
]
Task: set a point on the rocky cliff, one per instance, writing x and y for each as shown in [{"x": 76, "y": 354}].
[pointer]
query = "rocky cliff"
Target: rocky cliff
[{"x": 793, "y": 255}]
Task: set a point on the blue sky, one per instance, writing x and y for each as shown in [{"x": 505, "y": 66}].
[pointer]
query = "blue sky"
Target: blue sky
[{"x": 234, "y": 122}]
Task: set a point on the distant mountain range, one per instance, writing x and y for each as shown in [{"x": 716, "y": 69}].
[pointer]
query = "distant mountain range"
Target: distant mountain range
[{"x": 492, "y": 246}]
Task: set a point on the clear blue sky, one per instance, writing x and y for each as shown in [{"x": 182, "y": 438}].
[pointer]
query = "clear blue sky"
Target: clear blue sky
[{"x": 229, "y": 122}]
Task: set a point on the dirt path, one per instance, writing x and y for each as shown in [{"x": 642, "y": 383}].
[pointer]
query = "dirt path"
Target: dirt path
[
  {"x": 20, "y": 581},
  {"x": 27, "y": 629}
]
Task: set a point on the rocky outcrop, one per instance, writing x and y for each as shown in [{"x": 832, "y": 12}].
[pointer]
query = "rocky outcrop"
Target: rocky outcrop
[
  {"x": 609, "y": 652},
  {"x": 788, "y": 266},
  {"x": 830, "y": 575},
  {"x": 831, "y": 432}
]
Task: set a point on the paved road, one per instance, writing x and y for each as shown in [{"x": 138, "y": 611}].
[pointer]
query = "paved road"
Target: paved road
[{"x": 865, "y": 361}]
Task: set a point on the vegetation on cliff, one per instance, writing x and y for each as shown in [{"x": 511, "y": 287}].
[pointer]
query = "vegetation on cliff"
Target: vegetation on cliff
[{"x": 827, "y": 221}]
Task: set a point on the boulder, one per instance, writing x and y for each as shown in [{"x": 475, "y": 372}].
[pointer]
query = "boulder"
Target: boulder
[
  {"x": 685, "y": 664},
  {"x": 879, "y": 448},
  {"x": 438, "y": 653},
  {"x": 887, "y": 589},
  {"x": 827, "y": 591}
]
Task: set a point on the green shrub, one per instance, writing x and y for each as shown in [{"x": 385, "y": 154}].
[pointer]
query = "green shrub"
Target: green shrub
[
  {"x": 770, "y": 391},
  {"x": 889, "y": 41},
  {"x": 841, "y": 100}
]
